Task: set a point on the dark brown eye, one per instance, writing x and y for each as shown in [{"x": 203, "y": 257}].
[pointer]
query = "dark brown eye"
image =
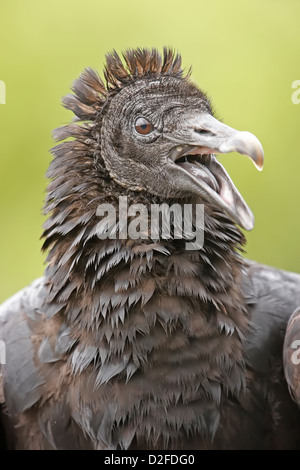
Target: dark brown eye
[{"x": 143, "y": 126}]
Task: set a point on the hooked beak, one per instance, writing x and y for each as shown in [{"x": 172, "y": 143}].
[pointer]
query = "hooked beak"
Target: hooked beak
[{"x": 202, "y": 137}]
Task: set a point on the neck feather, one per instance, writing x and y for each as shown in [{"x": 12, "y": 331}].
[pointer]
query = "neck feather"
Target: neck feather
[{"x": 141, "y": 307}]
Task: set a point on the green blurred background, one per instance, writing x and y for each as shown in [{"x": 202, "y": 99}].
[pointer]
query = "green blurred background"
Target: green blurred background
[{"x": 245, "y": 54}]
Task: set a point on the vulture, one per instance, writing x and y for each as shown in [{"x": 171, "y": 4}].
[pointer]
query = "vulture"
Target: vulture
[{"x": 146, "y": 340}]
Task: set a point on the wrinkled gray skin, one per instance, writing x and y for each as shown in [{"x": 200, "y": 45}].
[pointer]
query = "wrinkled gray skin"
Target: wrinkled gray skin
[
  {"x": 142, "y": 344},
  {"x": 184, "y": 124}
]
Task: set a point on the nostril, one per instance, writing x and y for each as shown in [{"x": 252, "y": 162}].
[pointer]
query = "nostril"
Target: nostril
[{"x": 203, "y": 131}]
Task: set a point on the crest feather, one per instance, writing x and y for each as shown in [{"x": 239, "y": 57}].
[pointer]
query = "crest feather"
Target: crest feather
[
  {"x": 140, "y": 63},
  {"x": 91, "y": 93}
]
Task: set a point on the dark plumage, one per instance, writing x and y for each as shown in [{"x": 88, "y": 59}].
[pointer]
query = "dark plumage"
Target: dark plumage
[{"x": 142, "y": 344}]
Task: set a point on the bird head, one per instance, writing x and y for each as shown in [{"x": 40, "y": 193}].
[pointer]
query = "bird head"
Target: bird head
[{"x": 156, "y": 131}]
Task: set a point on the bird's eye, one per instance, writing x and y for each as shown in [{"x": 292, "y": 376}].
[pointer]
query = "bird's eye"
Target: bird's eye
[{"x": 143, "y": 126}]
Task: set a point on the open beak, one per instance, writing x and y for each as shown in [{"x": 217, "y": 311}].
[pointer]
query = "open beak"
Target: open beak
[{"x": 203, "y": 137}]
